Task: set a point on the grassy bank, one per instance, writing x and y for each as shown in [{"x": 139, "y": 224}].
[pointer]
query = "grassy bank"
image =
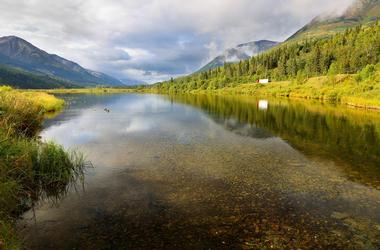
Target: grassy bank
[
  {"x": 29, "y": 168},
  {"x": 47, "y": 103},
  {"x": 359, "y": 90}
]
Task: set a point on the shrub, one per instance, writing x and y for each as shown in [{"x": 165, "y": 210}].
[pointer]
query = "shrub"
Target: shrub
[{"x": 366, "y": 72}]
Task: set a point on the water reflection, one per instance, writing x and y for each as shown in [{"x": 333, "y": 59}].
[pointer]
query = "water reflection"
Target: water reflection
[
  {"x": 214, "y": 172},
  {"x": 350, "y": 137},
  {"x": 263, "y": 104}
]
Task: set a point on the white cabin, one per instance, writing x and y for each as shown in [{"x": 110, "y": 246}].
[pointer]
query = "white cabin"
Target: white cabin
[{"x": 264, "y": 81}]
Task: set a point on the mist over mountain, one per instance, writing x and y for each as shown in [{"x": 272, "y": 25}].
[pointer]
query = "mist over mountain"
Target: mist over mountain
[
  {"x": 241, "y": 52},
  {"x": 360, "y": 12}
]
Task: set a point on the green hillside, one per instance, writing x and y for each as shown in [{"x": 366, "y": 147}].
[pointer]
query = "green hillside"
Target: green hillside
[
  {"x": 353, "y": 53},
  {"x": 343, "y": 53},
  {"x": 340, "y": 45},
  {"x": 359, "y": 13},
  {"x": 19, "y": 78},
  {"x": 18, "y": 53}
]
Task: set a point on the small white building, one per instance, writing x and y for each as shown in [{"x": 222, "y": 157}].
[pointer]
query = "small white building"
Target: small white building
[{"x": 264, "y": 81}]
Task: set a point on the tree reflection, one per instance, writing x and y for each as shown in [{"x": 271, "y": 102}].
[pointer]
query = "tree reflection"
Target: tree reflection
[{"x": 348, "y": 137}]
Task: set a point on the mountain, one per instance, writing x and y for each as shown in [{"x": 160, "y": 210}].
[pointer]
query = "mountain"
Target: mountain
[
  {"x": 22, "y": 55},
  {"x": 241, "y": 52},
  {"x": 20, "y": 78},
  {"x": 360, "y": 12}
]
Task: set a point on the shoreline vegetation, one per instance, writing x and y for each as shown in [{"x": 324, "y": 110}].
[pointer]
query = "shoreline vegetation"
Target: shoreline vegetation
[
  {"x": 342, "y": 89},
  {"x": 361, "y": 90},
  {"x": 342, "y": 68},
  {"x": 41, "y": 99},
  {"x": 29, "y": 168}
]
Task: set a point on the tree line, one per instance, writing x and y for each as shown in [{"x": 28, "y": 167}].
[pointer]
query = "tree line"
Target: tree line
[{"x": 344, "y": 53}]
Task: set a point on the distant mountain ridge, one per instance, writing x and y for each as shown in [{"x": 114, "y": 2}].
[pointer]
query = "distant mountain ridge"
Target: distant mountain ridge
[
  {"x": 241, "y": 52},
  {"x": 18, "y": 53},
  {"x": 360, "y": 12}
]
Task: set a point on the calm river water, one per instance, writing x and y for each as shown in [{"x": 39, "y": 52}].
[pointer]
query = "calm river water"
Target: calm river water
[{"x": 208, "y": 172}]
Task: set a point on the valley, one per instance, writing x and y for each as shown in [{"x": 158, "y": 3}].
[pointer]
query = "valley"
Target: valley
[{"x": 187, "y": 141}]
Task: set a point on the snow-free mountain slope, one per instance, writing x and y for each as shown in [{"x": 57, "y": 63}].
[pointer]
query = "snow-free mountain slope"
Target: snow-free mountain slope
[
  {"x": 18, "y": 53},
  {"x": 360, "y": 12}
]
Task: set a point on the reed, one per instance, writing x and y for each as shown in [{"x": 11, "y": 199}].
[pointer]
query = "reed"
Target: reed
[{"x": 29, "y": 168}]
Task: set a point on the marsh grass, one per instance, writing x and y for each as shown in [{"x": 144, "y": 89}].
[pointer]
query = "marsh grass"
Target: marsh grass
[
  {"x": 8, "y": 239},
  {"x": 19, "y": 115},
  {"x": 48, "y": 102},
  {"x": 57, "y": 169},
  {"x": 30, "y": 169}
]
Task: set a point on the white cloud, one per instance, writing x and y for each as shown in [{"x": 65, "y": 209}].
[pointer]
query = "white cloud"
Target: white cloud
[
  {"x": 138, "y": 53},
  {"x": 213, "y": 51},
  {"x": 169, "y": 37},
  {"x": 139, "y": 125}
]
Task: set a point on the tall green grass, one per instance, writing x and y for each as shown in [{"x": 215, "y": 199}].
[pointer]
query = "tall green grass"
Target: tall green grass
[
  {"x": 8, "y": 238},
  {"x": 19, "y": 116},
  {"x": 43, "y": 100},
  {"x": 29, "y": 169}
]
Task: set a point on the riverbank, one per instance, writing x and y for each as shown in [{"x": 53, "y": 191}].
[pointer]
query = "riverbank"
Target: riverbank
[
  {"x": 48, "y": 103},
  {"x": 29, "y": 168},
  {"x": 343, "y": 89},
  {"x": 96, "y": 91},
  {"x": 360, "y": 90}
]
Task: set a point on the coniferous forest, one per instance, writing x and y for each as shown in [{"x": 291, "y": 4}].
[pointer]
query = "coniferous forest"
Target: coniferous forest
[
  {"x": 344, "y": 53},
  {"x": 227, "y": 124}
]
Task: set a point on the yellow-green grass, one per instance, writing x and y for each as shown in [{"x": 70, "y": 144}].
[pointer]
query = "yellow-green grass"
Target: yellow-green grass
[
  {"x": 28, "y": 167},
  {"x": 360, "y": 90},
  {"x": 48, "y": 102},
  {"x": 344, "y": 89}
]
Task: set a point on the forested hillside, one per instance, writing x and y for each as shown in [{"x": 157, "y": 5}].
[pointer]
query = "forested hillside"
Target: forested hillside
[
  {"x": 343, "y": 53},
  {"x": 360, "y": 12}
]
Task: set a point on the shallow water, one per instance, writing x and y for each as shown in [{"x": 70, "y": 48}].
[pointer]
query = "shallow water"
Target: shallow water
[{"x": 208, "y": 172}]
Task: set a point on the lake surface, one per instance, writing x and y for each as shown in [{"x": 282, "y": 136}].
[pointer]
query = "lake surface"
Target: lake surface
[{"x": 209, "y": 172}]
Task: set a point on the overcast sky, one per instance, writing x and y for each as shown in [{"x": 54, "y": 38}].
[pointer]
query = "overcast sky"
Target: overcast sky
[{"x": 153, "y": 40}]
